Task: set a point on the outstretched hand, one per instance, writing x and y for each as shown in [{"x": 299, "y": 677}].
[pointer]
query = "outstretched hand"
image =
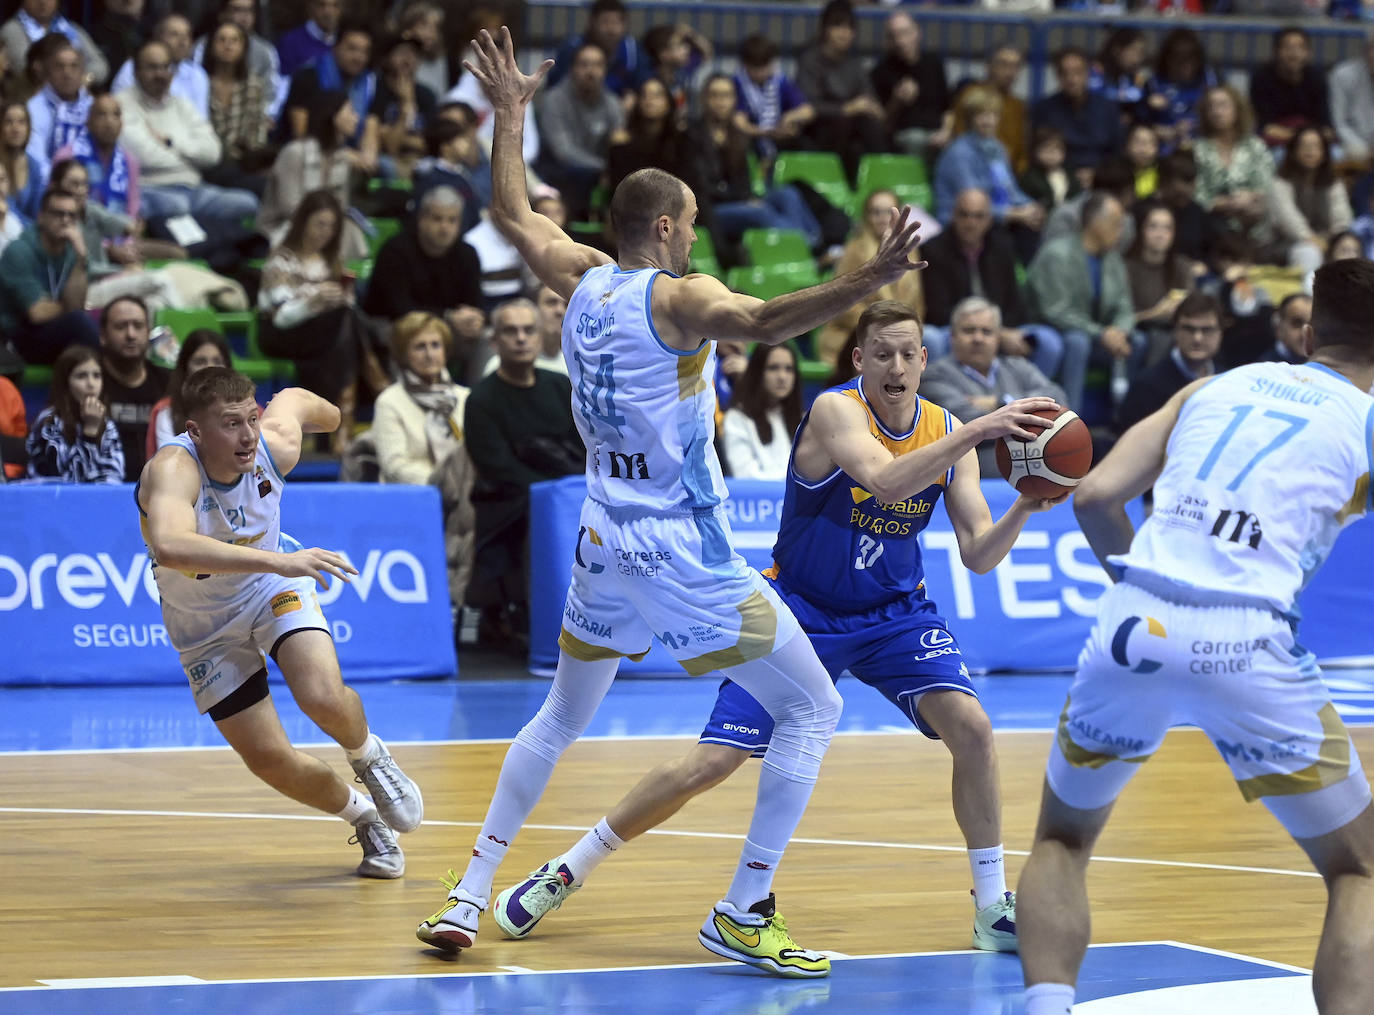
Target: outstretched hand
[
  {"x": 903, "y": 235},
  {"x": 316, "y": 563},
  {"x": 1037, "y": 504},
  {"x": 1018, "y": 419},
  {"x": 506, "y": 86}
]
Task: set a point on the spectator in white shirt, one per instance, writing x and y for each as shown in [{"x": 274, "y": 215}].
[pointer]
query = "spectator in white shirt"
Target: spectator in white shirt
[
  {"x": 173, "y": 143},
  {"x": 189, "y": 80},
  {"x": 765, "y": 412}
]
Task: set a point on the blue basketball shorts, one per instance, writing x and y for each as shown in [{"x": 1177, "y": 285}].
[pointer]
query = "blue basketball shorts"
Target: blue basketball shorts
[{"x": 903, "y": 649}]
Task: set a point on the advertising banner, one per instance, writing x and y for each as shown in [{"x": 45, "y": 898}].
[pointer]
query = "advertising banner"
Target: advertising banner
[
  {"x": 1032, "y": 612},
  {"x": 78, "y": 603}
]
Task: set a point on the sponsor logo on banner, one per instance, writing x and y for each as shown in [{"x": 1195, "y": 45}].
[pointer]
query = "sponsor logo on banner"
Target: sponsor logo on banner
[{"x": 84, "y": 581}]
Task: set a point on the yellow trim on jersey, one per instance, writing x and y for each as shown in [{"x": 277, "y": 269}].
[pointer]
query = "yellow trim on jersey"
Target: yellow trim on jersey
[
  {"x": 1081, "y": 757},
  {"x": 589, "y": 653},
  {"x": 758, "y": 630},
  {"x": 1332, "y": 764},
  {"x": 1355, "y": 507},
  {"x": 930, "y": 426},
  {"x": 690, "y": 379}
]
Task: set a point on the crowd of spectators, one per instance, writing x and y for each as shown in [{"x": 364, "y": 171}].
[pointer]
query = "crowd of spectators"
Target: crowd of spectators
[{"x": 1143, "y": 223}]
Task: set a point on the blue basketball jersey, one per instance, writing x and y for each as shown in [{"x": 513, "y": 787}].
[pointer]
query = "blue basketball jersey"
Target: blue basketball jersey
[{"x": 839, "y": 545}]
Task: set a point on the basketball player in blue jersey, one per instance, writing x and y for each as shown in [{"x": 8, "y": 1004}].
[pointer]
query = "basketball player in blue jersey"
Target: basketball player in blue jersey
[
  {"x": 1255, "y": 472},
  {"x": 654, "y": 556},
  {"x": 869, "y": 463},
  {"x": 234, "y": 587}
]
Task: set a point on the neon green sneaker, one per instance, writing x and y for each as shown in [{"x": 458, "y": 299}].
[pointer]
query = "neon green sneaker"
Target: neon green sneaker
[
  {"x": 994, "y": 926},
  {"x": 454, "y": 927},
  {"x": 759, "y": 938}
]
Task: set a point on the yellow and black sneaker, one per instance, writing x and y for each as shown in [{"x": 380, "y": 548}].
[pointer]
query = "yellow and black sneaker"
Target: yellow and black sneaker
[
  {"x": 454, "y": 927},
  {"x": 759, "y": 937}
]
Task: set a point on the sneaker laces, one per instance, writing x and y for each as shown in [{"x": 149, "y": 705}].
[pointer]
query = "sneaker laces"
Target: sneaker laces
[
  {"x": 364, "y": 835},
  {"x": 543, "y": 879},
  {"x": 449, "y": 880},
  {"x": 384, "y": 771}
]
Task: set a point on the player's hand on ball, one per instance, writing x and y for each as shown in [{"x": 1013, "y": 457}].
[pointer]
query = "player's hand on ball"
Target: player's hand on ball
[
  {"x": 1018, "y": 419},
  {"x": 1037, "y": 504},
  {"x": 316, "y": 563}
]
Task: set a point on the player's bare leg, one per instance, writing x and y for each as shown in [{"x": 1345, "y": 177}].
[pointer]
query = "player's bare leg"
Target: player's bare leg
[
  {"x": 1341, "y": 978},
  {"x": 960, "y": 721},
  {"x": 256, "y": 735},
  {"x": 666, "y": 790},
  {"x": 311, "y": 668},
  {"x": 1054, "y": 923}
]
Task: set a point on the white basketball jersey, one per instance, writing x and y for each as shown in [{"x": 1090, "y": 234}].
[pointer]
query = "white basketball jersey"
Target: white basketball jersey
[
  {"x": 1265, "y": 465},
  {"x": 246, "y": 513},
  {"x": 645, "y": 410}
]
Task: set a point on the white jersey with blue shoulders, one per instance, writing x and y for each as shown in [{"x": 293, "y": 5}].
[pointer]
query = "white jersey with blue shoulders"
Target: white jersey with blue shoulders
[
  {"x": 1266, "y": 464},
  {"x": 646, "y": 411},
  {"x": 245, "y": 513}
]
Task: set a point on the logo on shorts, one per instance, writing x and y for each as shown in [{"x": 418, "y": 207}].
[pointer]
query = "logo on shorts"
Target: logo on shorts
[
  {"x": 1123, "y": 634},
  {"x": 936, "y": 637},
  {"x": 287, "y": 602},
  {"x": 595, "y": 541},
  {"x": 198, "y": 671}
]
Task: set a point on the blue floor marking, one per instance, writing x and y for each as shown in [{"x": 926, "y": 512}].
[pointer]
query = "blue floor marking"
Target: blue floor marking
[
  {"x": 954, "y": 983},
  {"x": 470, "y": 708}
]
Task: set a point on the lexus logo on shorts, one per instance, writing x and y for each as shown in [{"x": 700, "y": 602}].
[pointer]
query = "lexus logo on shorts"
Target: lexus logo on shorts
[{"x": 936, "y": 638}]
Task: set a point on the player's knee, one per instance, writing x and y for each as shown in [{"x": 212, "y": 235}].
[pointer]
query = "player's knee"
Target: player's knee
[
  {"x": 970, "y": 733},
  {"x": 707, "y": 768},
  {"x": 548, "y": 734},
  {"x": 323, "y": 699},
  {"x": 275, "y": 765}
]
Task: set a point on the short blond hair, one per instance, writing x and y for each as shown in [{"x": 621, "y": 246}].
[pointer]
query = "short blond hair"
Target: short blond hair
[{"x": 405, "y": 331}]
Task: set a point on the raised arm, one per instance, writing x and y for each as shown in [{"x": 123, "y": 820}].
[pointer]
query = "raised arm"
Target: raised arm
[
  {"x": 292, "y": 413},
  {"x": 551, "y": 254},
  {"x": 699, "y": 307},
  {"x": 1130, "y": 468}
]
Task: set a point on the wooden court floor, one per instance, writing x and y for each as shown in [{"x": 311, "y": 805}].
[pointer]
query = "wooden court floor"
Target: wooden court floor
[{"x": 163, "y": 863}]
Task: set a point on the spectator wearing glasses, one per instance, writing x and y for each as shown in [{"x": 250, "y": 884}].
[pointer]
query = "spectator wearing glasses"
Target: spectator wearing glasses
[
  {"x": 43, "y": 284},
  {"x": 189, "y": 80},
  {"x": 1197, "y": 340}
]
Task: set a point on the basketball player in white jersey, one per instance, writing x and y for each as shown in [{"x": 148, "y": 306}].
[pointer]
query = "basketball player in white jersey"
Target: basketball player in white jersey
[
  {"x": 1254, "y": 472},
  {"x": 234, "y": 587},
  {"x": 654, "y": 557}
]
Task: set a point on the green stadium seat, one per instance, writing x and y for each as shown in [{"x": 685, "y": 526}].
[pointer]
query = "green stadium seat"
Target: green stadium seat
[
  {"x": 904, "y": 175},
  {"x": 163, "y": 262},
  {"x": 703, "y": 258},
  {"x": 378, "y": 183},
  {"x": 36, "y": 377},
  {"x": 248, "y": 358},
  {"x": 767, "y": 282},
  {"x": 385, "y": 229},
  {"x": 822, "y": 170},
  {"x": 814, "y": 371},
  {"x": 767, "y": 247}
]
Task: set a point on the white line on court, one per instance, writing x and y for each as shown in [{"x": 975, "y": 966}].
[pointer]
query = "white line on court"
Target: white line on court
[
  {"x": 192, "y": 981},
  {"x": 854, "y": 843}
]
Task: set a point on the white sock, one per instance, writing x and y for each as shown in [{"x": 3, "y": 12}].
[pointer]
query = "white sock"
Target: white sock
[
  {"x": 1049, "y": 999},
  {"x": 754, "y": 876},
  {"x": 989, "y": 875},
  {"x": 360, "y": 753},
  {"x": 594, "y": 847},
  {"x": 357, "y": 807},
  {"x": 524, "y": 775}
]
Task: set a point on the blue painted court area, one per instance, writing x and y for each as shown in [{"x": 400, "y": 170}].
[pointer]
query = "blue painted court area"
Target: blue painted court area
[
  {"x": 953, "y": 983},
  {"x": 472, "y": 708}
]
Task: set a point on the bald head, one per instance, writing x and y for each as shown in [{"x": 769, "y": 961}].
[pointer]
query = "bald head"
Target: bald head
[{"x": 972, "y": 217}]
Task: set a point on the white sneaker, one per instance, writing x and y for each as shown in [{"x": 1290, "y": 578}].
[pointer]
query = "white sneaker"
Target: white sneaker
[
  {"x": 994, "y": 926},
  {"x": 382, "y": 857},
  {"x": 397, "y": 797}
]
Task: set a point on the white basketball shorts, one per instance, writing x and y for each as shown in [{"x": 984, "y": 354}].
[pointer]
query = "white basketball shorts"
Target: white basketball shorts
[{"x": 1235, "y": 672}]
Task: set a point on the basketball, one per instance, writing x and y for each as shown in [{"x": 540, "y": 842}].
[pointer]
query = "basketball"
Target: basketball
[{"x": 1051, "y": 464}]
